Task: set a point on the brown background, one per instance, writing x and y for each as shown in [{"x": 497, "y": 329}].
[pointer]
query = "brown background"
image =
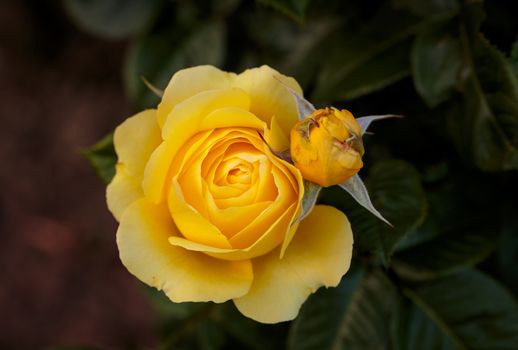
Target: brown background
[{"x": 61, "y": 281}]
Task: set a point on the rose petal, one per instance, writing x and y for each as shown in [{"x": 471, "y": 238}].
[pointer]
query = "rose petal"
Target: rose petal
[
  {"x": 122, "y": 191},
  {"x": 319, "y": 255},
  {"x": 191, "y": 223},
  {"x": 269, "y": 217},
  {"x": 188, "y": 117},
  {"x": 135, "y": 139},
  {"x": 184, "y": 275},
  {"x": 231, "y": 117},
  {"x": 276, "y": 137},
  {"x": 220, "y": 152},
  {"x": 188, "y": 82},
  {"x": 184, "y": 121},
  {"x": 269, "y": 97},
  {"x": 234, "y": 219},
  {"x": 268, "y": 240}
]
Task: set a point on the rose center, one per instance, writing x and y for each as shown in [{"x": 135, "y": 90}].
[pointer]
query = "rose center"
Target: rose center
[{"x": 240, "y": 174}]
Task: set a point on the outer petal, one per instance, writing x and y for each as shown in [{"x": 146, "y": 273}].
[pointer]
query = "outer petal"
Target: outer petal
[
  {"x": 319, "y": 255},
  {"x": 269, "y": 97},
  {"x": 188, "y": 82},
  {"x": 135, "y": 139},
  {"x": 122, "y": 191},
  {"x": 184, "y": 275}
]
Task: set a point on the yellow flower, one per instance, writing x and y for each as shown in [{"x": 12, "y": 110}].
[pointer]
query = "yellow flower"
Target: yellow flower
[
  {"x": 206, "y": 210},
  {"x": 327, "y": 146}
]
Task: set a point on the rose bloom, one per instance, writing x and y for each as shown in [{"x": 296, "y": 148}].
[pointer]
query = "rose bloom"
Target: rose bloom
[{"x": 207, "y": 211}]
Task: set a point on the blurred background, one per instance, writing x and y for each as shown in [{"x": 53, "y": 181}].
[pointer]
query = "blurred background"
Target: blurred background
[
  {"x": 445, "y": 175},
  {"x": 61, "y": 281}
]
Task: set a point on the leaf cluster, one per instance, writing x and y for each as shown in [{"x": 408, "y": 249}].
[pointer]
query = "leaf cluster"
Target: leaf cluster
[{"x": 445, "y": 276}]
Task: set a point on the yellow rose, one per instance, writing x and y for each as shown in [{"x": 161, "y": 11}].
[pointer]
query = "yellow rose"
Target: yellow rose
[
  {"x": 327, "y": 146},
  {"x": 206, "y": 210}
]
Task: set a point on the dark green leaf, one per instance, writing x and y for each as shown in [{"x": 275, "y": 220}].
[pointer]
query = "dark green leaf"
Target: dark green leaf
[
  {"x": 293, "y": 8},
  {"x": 485, "y": 127},
  {"x": 207, "y": 325},
  {"x": 464, "y": 311},
  {"x": 471, "y": 309},
  {"x": 436, "y": 64},
  {"x": 158, "y": 57},
  {"x": 445, "y": 254},
  {"x": 396, "y": 191},
  {"x": 369, "y": 58},
  {"x": 303, "y": 57},
  {"x": 460, "y": 229},
  {"x": 113, "y": 18},
  {"x": 507, "y": 252},
  {"x": 417, "y": 329},
  {"x": 102, "y": 157},
  {"x": 353, "y": 315},
  {"x": 367, "y": 322},
  {"x": 375, "y": 74}
]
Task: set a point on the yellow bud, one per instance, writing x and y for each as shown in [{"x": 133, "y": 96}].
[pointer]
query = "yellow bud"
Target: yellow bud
[{"x": 327, "y": 146}]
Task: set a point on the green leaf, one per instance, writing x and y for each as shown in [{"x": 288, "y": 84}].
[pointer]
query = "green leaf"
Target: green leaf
[
  {"x": 369, "y": 58},
  {"x": 207, "y": 325},
  {"x": 395, "y": 190},
  {"x": 472, "y": 310},
  {"x": 113, "y": 19},
  {"x": 371, "y": 75},
  {"x": 303, "y": 57},
  {"x": 507, "y": 251},
  {"x": 353, "y": 315},
  {"x": 157, "y": 57},
  {"x": 467, "y": 310},
  {"x": 295, "y": 9},
  {"x": 415, "y": 329},
  {"x": 445, "y": 254},
  {"x": 436, "y": 64},
  {"x": 460, "y": 229},
  {"x": 485, "y": 126},
  {"x": 103, "y": 158}
]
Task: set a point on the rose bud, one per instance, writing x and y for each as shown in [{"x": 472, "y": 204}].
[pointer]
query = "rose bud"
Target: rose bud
[{"x": 327, "y": 146}]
